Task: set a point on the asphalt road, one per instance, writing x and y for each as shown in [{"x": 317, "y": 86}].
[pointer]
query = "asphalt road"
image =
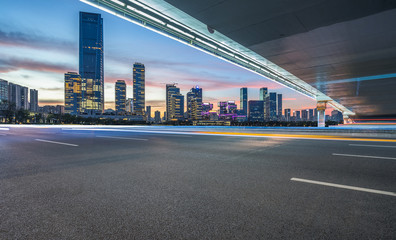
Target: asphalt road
[{"x": 194, "y": 183}]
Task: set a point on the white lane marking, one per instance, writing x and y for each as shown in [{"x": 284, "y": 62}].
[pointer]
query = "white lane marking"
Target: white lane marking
[
  {"x": 362, "y": 156},
  {"x": 61, "y": 143},
  {"x": 345, "y": 186},
  {"x": 4, "y": 129},
  {"x": 364, "y": 145},
  {"x": 125, "y": 138}
]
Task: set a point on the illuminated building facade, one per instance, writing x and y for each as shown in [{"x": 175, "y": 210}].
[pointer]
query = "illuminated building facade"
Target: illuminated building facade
[
  {"x": 3, "y": 94},
  {"x": 256, "y": 110},
  {"x": 194, "y": 103},
  {"x": 279, "y": 106},
  {"x": 271, "y": 109},
  {"x": 24, "y": 98},
  {"x": 91, "y": 62},
  {"x": 177, "y": 107},
  {"x": 171, "y": 89},
  {"x": 244, "y": 100},
  {"x": 33, "y": 100},
  {"x": 120, "y": 96},
  {"x": 73, "y": 93},
  {"x": 138, "y": 88}
]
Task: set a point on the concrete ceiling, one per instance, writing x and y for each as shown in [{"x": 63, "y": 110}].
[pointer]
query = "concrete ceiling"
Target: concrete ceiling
[{"x": 345, "y": 48}]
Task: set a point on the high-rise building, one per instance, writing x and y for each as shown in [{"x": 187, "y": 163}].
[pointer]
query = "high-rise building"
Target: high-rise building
[
  {"x": 256, "y": 110},
  {"x": 91, "y": 62},
  {"x": 14, "y": 95},
  {"x": 336, "y": 116},
  {"x": 304, "y": 115},
  {"x": 170, "y": 90},
  {"x": 298, "y": 115},
  {"x": 311, "y": 115},
  {"x": 263, "y": 93},
  {"x": 279, "y": 105},
  {"x": 157, "y": 117},
  {"x": 148, "y": 113},
  {"x": 73, "y": 94},
  {"x": 206, "y": 107},
  {"x": 177, "y": 107},
  {"x": 138, "y": 88},
  {"x": 3, "y": 94},
  {"x": 24, "y": 98},
  {"x": 287, "y": 114},
  {"x": 272, "y": 110},
  {"x": 194, "y": 103},
  {"x": 120, "y": 96},
  {"x": 33, "y": 100},
  {"x": 244, "y": 100}
]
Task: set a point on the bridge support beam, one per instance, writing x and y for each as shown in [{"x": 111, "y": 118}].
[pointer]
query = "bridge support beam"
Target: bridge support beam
[{"x": 321, "y": 107}]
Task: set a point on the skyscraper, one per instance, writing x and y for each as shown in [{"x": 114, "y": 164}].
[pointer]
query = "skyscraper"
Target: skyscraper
[
  {"x": 157, "y": 117},
  {"x": 148, "y": 113},
  {"x": 287, "y": 114},
  {"x": 91, "y": 62},
  {"x": 14, "y": 95},
  {"x": 244, "y": 100},
  {"x": 311, "y": 115},
  {"x": 73, "y": 93},
  {"x": 256, "y": 110},
  {"x": 33, "y": 100},
  {"x": 138, "y": 88},
  {"x": 263, "y": 93},
  {"x": 170, "y": 90},
  {"x": 272, "y": 106},
  {"x": 24, "y": 98},
  {"x": 120, "y": 96},
  {"x": 3, "y": 94},
  {"x": 279, "y": 105},
  {"x": 129, "y": 105},
  {"x": 177, "y": 107},
  {"x": 194, "y": 103}
]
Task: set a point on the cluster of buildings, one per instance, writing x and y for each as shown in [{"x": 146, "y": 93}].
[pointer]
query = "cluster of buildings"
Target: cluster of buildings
[{"x": 18, "y": 96}]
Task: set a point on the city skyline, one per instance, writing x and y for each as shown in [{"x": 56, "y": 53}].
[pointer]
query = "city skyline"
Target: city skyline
[{"x": 165, "y": 60}]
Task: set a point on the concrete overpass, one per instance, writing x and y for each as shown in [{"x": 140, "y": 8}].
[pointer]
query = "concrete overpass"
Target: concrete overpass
[{"x": 342, "y": 52}]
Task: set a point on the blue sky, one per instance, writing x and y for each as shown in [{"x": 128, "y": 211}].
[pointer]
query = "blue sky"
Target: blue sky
[{"x": 39, "y": 43}]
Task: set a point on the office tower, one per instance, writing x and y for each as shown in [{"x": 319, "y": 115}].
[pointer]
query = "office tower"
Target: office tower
[
  {"x": 263, "y": 93},
  {"x": 279, "y": 105},
  {"x": 287, "y": 114},
  {"x": 24, "y": 98},
  {"x": 3, "y": 94},
  {"x": 91, "y": 62},
  {"x": 222, "y": 107},
  {"x": 256, "y": 110},
  {"x": 272, "y": 106},
  {"x": 244, "y": 100},
  {"x": 73, "y": 95},
  {"x": 120, "y": 96},
  {"x": 157, "y": 117},
  {"x": 194, "y": 103},
  {"x": 148, "y": 113},
  {"x": 298, "y": 115},
  {"x": 14, "y": 95},
  {"x": 311, "y": 115},
  {"x": 304, "y": 115},
  {"x": 33, "y": 100},
  {"x": 138, "y": 88},
  {"x": 170, "y": 90},
  {"x": 315, "y": 114},
  {"x": 129, "y": 105},
  {"x": 176, "y": 111}
]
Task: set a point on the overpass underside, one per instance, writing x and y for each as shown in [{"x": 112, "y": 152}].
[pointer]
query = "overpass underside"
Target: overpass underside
[{"x": 341, "y": 52}]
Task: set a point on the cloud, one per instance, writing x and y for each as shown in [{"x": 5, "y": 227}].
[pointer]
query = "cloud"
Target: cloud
[
  {"x": 51, "y": 102},
  {"x": 289, "y": 99},
  {"x": 13, "y": 64},
  {"x": 19, "y": 39},
  {"x": 52, "y": 89}
]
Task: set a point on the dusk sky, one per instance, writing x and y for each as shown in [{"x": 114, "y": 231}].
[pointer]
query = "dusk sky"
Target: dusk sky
[{"x": 39, "y": 43}]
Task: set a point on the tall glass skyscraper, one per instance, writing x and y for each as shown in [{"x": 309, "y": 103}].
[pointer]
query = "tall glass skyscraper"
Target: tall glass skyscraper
[
  {"x": 120, "y": 96},
  {"x": 279, "y": 105},
  {"x": 256, "y": 110},
  {"x": 73, "y": 93},
  {"x": 244, "y": 100},
  {"x": 14, "y": 95},
  {"x": 33, "y": 100},
  {"x": 91, "y": 62},
  {"x": 272, "y": 107},
  {"x": 138, "y": 88},
  {"x": 194, "y": 103},
  {"x": 3, "y": 94}
]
